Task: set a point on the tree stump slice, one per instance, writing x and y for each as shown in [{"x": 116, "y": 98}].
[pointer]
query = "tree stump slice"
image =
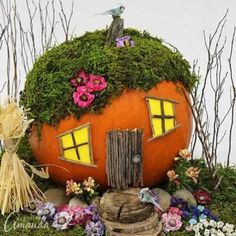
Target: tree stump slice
[
  {"x": 124, "y": 207},
  {"x": 149, "y": 227}
]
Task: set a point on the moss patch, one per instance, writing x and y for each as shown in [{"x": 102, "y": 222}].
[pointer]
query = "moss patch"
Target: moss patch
[{"x": 48, "y": 92}]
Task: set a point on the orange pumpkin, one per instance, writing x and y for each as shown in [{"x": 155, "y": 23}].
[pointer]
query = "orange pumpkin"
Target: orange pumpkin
[{"x": 130, "y": 110}]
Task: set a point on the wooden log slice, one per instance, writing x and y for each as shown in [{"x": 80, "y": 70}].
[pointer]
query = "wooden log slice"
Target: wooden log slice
[
  {"x": 151, "y": 226},
  {"x": 124, "y": 207}
]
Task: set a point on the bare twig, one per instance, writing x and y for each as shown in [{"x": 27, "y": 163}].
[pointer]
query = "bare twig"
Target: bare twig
[
  {"x": 65, "y": 21},
  {"x": 211, "y": 135},
  {"x": 233, "y": 97}
]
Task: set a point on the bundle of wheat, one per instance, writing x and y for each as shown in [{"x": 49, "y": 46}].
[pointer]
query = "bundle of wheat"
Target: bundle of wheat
[{"x": 17, "y": 188}]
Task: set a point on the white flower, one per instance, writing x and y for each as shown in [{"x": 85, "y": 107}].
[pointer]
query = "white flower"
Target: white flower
[
  {"x": 213, "y": 231},
  {"x": 212, "y": 223},
  {"x": 229, "y": 228},
  {"x": 220, "y": 224},
  {"x": 206, "y": 232},
  {"x": 197, "y": 234},
  {"x": 206, "y": 223},
  {"x": 219, "y": 233},
  {"x": 196, "y": 228},
  {"x": 200, "y": 226}
]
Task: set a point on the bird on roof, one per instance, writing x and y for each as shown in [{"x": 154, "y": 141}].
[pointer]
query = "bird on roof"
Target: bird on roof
[{"x": 114, "y": 12}]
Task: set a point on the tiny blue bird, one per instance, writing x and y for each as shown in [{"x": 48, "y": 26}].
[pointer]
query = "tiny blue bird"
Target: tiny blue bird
[
  {"x": 114, "y": 12},
  {"x": 146, "y": 195}
]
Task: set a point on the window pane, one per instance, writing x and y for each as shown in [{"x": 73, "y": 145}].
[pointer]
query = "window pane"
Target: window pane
[
  {"x": 81, "y": 136},
  {"x": 67, "y": 141},
  {"x": 157, "y": 126},
  {"x": 169, "y": 124},
  {"x": 168, "y": 109},
  {"x": 84, "y": 154},
  {"x": 71, "y": 154},
  {"x": 155, "y": 106}
]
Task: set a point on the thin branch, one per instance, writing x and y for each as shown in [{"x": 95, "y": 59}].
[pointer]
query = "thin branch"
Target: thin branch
[
  {"x": 234, "y": 97},
  {"x": 65, "y": 21}
]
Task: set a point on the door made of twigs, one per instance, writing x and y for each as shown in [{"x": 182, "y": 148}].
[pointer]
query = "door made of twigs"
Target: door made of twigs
[{"x": 124, "y": 158}]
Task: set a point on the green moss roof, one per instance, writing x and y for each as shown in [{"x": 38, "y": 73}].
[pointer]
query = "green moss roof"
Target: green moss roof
[{"x": 48, "y": 92}]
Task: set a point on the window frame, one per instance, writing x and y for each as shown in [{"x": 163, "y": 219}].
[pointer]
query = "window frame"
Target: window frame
[
  {"x": 89, "y": 143},
  {"x": 162, "y": 116}
]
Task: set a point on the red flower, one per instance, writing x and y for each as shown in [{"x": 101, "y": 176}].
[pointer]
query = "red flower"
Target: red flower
[
  {"x": 81, "y": 78},
  {"x": 202, "y": 197},
  {"x": 82, "y": 97},
  {"x": 96, "y": 83}
]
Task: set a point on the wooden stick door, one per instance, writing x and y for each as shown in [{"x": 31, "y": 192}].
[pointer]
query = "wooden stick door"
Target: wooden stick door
[{"x": 124, "y": 158}]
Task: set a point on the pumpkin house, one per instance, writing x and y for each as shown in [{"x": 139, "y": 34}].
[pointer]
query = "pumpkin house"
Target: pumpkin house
[{"x": 117, "y": 113}]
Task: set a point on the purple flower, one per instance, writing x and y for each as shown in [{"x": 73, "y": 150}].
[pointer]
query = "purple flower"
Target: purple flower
[
  {"x": 125, "y": 41},
  {"x": 90, "y": 213},
  {"x": 46, "y": 211},
  {"x": 61, "y": 220},
  {"x": 206, "y": 212},
  {"x": 96, "y": 83},
  {"x": 186, "y": 214},
  {"x": 33, "y": 206},
  {"x": 95, "y": 228},
  {"x": 196, "y": 212},
  {"x": 82, "y": 97},
  {"x": 212, "y": 217},
  {"x": 180, "y": 203}
]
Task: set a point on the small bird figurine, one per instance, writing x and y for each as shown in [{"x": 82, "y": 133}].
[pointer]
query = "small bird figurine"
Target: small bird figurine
[
  {"x": 146, "y": 195},
  {"x": 114, "y": 12}
]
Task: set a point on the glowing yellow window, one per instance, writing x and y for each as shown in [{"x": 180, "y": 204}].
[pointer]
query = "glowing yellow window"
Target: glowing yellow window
[
  {"x": 162, "y": 116},
  {"x": 76, "y": 145}
]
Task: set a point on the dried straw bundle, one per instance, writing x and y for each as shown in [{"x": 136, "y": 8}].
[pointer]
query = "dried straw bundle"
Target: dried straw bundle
[{"x": 17, "y": 188}]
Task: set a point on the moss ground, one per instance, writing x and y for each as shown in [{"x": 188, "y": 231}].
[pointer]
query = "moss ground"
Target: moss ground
[{"x": 48, "y": 92}]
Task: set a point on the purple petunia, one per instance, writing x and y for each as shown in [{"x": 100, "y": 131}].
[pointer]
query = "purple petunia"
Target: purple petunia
[
  {"x": 62, "y": 220},
  {"x": 125, "y": 41},
  {"x": 33, "y": 206},
  {"x": 46, "y": 211},
  {"x": 95, "y": 228}
]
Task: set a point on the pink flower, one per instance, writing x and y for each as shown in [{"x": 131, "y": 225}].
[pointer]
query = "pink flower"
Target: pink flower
[
  {"x": 82, "y": 97},
  {"x": 81, "y": 78},
  {"x": 77, "y": 214},
  {"x": 172, "y": 222},
  {"x": 175, "y": 210},
  {"x": 96, "y": 83}
]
